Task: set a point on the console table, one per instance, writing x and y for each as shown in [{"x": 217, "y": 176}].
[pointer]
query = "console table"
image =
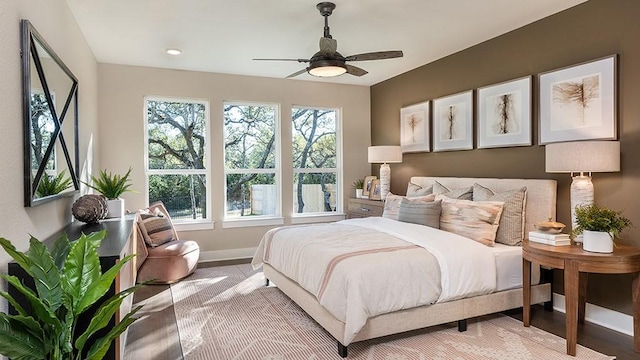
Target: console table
[
  {"x": 119, "y": 242},
  {"x": 577, "y": 263}
]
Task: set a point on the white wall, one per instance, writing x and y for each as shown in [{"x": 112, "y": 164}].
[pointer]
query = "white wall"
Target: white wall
[
  {"x": 121, "y": 129},
  {"x": 54, "y": 21}
]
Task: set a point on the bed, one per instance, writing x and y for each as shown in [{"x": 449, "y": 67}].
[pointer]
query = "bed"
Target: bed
[{"x": 454, "y": 280}]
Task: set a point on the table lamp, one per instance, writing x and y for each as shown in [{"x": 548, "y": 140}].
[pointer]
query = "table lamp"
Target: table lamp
[
  {"x": 385, "y": 155},
  {"x": 583, "y": 157}
]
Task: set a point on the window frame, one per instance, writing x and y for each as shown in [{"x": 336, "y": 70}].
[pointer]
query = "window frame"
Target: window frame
[{"x": 183, "y": 224}]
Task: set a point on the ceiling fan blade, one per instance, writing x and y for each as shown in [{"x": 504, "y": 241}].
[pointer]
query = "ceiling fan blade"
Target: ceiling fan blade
[
  {"x": 297, "y": 73},
  {"x": 375, "y": 56},
  {"x": 354, "y": 70},
  {"x": 328, "y": 45},
  {"x": 298, "y": 60}
]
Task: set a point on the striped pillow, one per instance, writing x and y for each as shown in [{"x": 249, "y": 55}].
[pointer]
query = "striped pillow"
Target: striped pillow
[
  {"x": 420, "y": 212},
  {"x": 476, "y": 220},
  {"x": 392, "y": 204},
  {"x": 511, "y": 228},
  {"x": 156, "y": 228}
]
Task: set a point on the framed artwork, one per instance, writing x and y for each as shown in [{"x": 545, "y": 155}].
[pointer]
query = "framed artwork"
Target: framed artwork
[
  {"x": 504, "y": 114},
  {"x": 374, "y": 194},
  {"x": 368, "y": 181},
  {"x": 414, "y": 128},
  {"x": 579, "y": 102},
  {"x": 453, "y": 122}
]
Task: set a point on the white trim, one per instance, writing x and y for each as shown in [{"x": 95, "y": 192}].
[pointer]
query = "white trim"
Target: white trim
[
  {"x": 316, "y": 218},
  {"x": 598, "y": 315},
  {"x": 249, "y": 221},
  {"x": 230, "y": 254},
  {"x": 194, "y": 225}
]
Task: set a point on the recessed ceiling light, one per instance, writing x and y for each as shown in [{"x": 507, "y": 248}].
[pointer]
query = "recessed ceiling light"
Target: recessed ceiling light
[{"x": 174, "y": 51}]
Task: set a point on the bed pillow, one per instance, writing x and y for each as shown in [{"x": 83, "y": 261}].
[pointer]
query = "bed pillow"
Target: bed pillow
[
  {"x": 511, "y": 228},
  {"x": 156, "y": 228},
  {"x": 476, "y": 220},
  {"x": 392, "y": 204},
  {"x": 420, "y": 212},
  {"x": 414, "y": 190},
  {"x": 462, "y": 194}
]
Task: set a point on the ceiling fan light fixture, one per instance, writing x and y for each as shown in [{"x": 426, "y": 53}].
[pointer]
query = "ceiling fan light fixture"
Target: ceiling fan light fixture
[{"x": 327, "y": 68}]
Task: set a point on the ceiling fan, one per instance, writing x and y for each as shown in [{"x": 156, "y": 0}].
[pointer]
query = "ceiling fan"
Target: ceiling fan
[{"x": 328, "y": 61}]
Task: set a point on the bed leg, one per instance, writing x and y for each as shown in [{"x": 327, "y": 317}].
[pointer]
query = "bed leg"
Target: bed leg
[
  {"x": 266, "y": 282},
  {"x": 462, "y": 325},
  {"x": 546, "y": 276},
  {"x": 342, "y": 350}
]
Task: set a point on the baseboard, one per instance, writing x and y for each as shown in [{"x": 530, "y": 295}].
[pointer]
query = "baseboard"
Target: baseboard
[
  {"x": 608, "y": 318},
  {"x": 231, "y": 254}
]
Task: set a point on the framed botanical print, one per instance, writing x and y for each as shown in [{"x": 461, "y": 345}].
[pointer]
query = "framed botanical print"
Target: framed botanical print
[
  {"x": 504, "y": 114},
  {"x": 453, "y": 122},
  {"x": 579, "y": 102},
  {"x": 414, "y": 128}
]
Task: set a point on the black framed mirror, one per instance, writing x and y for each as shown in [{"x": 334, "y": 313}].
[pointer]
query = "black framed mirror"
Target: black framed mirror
[{"x": 50, "y": 108}]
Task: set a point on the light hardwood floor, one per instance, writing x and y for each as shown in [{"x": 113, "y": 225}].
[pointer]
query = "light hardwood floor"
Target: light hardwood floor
[{"x": 155, "y": 334}]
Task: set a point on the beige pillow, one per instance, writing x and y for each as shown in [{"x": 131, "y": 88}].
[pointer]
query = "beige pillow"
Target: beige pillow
[
  {"x": 156, "y": 228},
  {"x": 511, "y": 228},
  {"x": 420, "y": 212},
  {"x": 462, "y": 194},
  {"x": 414, "y": 190},
  {"x": 476, "y": 220},
  {"x": 392, "y": 204}
]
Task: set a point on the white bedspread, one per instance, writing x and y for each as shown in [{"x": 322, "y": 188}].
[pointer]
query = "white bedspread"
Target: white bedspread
[{"x": 360, "y": 268}]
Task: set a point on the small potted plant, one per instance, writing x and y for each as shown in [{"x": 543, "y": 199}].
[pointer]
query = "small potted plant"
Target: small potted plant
[
  {"x": 358, "y": 185},
  {"x": 112, "y": 186},
  {"x": 599, "y": 227},
  {"x": 52, "y": 185}
]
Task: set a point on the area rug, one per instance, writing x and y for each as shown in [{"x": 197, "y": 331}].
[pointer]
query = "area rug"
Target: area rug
[{"x": 226, "y": 313}]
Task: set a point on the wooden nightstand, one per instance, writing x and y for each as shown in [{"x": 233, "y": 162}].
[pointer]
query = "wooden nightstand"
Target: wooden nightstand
[{"x": 359, "y": 208}]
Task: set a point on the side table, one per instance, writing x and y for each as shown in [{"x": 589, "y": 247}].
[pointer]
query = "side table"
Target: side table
[{"x": 577, "y": 263}]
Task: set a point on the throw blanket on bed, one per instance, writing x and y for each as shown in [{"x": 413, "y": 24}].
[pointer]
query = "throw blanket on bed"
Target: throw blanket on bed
[{"x": 361, "y": 268}]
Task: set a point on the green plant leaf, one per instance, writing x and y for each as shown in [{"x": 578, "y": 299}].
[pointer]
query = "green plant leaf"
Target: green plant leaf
[
  {"x": 100, "y": 286},
  {"x": 40, "y": 309},
  {"x": 45, "y": 274},
  {"x": 81, "y": 270},
  {"x": 109, "y": 185},
  {"x": 100, "y": 347},
  {"x": 19, "y": 309},
  {"x": 18, "y": 343},
  {"x": 60, "y": 250},
  {"x": 19, "y": 257}
]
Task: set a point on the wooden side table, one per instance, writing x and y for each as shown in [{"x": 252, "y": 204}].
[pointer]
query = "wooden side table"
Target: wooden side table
[
  {"x": 577, "y": 263},
  {"x": 359, "y": 208}
]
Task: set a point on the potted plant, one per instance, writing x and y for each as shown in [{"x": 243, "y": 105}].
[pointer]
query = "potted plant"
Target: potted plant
[
  {"x": 51, "y": 185},
  {"x": 599, "y": 227},
  {"x": 112, "y": 186},
  {"x": 69, "y": 282},
  {"x": 358, "y": 185}
]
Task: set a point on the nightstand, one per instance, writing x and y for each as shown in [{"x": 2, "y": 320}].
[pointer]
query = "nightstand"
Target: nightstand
[{"x": 359, "y": 208}]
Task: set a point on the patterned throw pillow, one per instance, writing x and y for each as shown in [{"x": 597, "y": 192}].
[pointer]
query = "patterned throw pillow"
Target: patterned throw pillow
[
  {"x": 511, "y": 228},
  {"x": 462, "y": 194},
  {"x": 156, "y": 228},
  {"x": 414, "y": 190},
  {"x": 420, "y": 212},
  {"x": 476, "y": 220},
  {"x": 392, "y": 204}
]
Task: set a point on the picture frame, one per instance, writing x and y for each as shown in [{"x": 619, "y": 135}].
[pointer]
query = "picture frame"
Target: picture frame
[
  {"x": 374, "y": 194},
  {"x": 368, "y": 182},
  {"x": 414, "y": 128},
  {"x": 453, "y": 122},
  {"x": 504, "y": 114},
  {"x": 579, "y": 102}
]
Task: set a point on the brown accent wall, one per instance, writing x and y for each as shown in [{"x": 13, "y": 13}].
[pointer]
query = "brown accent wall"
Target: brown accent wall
[{"x": 588, "y": 31}]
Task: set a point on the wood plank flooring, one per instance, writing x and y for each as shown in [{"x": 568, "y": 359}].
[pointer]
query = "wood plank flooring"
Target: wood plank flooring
[{"x": 155, "y": 334}]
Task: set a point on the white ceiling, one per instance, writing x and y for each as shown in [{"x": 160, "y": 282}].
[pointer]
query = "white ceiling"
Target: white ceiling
[{"x": 224, "y": 36}]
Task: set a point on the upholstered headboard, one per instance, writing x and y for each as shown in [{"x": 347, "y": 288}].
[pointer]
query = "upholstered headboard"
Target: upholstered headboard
[{"x": 540, "y": 201}]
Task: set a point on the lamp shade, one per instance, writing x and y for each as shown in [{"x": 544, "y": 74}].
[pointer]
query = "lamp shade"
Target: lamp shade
[
  {"x": 385, "y": 154},
  {"x": 582, "y": 156}
]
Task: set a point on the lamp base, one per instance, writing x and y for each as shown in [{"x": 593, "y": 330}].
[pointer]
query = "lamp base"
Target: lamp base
[
  {"x": 385, "y": 180},
  {"x": 581, "y": 194}
]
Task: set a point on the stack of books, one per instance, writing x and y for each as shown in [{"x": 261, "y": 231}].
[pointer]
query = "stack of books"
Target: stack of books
[{"x": 549, "y": 239}]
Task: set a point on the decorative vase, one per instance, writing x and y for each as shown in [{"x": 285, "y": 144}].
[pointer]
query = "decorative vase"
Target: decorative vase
[
  {"x": 116, "y": 208},
  {"x": 359, "y": 193},
  {"x": 597, "y": 241}
]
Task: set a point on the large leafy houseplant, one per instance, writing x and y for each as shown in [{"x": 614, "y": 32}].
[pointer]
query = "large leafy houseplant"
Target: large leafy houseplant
[
  {"x": 595, "y": 218},
  {"x": 111, "y": 185},
  {"x": 68, "y": 280}
]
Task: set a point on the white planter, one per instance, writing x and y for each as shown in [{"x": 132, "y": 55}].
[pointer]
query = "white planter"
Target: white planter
[
  {"x": 116, "y": 208},
  {"x": 597, "y": 241},
  {"x": 359, "y": 193}
]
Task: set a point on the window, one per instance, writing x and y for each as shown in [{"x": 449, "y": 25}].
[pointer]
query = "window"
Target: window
[
  {"x": 316, "y": 168},
  {"x": 176, "y": 157},
  {"x": 251, "y": 158}
]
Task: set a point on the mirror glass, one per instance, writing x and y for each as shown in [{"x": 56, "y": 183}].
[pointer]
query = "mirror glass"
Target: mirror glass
[{"x": 51, "y": 122}]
